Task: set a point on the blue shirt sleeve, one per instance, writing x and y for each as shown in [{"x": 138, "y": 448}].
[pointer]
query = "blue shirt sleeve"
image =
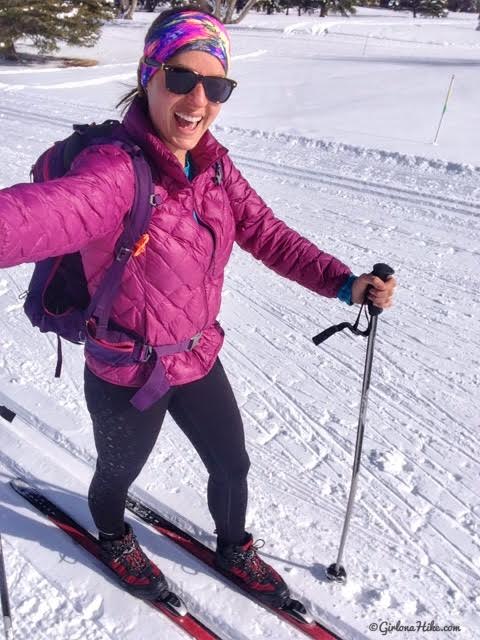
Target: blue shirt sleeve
[{"x": 345, "y": 292}]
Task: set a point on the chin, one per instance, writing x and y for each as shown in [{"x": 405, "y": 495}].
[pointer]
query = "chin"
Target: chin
[{"x": 188, "y": 145}]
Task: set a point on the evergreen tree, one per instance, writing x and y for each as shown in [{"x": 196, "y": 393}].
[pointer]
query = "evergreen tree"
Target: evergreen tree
[
  {"x": 48, "y": 22},
  {"x": 468, "y": 6},
  {"x": 344, "y": 7},
  {"x": 435, "y": 8}
]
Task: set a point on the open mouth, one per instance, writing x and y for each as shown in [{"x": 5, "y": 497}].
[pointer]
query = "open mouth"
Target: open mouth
[{"x": 187, "y": 122}]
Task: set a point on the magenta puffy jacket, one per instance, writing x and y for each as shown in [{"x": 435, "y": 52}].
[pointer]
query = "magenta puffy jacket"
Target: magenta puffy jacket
[{"x": 172, "y": 291}]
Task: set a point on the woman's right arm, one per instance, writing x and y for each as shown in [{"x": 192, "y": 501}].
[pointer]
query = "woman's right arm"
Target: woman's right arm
[{"x": 60, "y": 216}]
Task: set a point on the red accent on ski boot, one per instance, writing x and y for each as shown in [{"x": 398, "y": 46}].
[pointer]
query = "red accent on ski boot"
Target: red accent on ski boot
[
  {"x": 138, "y": 574},
  {"x": 243, "y": 563}
]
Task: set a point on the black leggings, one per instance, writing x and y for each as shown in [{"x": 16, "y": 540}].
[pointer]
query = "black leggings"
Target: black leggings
[{"x": 205, "y": 410}]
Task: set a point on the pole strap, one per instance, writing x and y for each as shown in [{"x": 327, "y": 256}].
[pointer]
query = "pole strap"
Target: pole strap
[{"x": 354, "y": 328}]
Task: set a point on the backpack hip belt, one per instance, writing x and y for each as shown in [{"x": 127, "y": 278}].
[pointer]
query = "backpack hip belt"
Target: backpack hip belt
[{"x": 121, "y": 352}]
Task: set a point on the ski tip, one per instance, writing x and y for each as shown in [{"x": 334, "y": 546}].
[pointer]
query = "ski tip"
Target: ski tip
[
  {"x": 6, "y": 413},
  {"x": 19, "y": 483}
]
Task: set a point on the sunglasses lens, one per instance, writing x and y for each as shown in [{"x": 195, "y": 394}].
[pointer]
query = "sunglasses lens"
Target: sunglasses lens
[
  {"x": 217, "y": 89},
  {"x": 182, "y": 81},
  {"x": 179, "y": 80}
]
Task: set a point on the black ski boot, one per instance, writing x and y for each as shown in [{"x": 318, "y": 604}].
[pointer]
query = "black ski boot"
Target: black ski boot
[
  {"x": 139, "y": 575},
  {"x": 243, "y": 563}
]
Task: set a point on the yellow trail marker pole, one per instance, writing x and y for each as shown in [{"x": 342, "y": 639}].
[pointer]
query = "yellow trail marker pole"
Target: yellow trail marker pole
[{"x": 449, "y": 92}]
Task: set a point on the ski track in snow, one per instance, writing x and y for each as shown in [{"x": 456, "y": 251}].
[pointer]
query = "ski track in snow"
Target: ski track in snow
[
  {"x": 52, "y": 617},
  {"x": 300, "y": 404}
]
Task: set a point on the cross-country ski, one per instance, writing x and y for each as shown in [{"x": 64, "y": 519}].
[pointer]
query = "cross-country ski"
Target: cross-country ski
[
  {"x": 294, "y": 612},
  {"x": 170, "y": 604}
]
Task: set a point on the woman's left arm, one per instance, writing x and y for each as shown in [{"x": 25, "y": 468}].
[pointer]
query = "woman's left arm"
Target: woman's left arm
[{"x": 278, "y": 246}]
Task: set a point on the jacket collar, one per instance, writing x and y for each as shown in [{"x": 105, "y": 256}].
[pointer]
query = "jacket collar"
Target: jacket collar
[{"x": 139, "y": 127}]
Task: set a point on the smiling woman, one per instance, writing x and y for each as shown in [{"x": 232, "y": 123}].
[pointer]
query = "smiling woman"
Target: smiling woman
[
  {"x": 158, "y": 352},
  {"x": 184, "y": 96},
  {"x": 181, "y": 118}
]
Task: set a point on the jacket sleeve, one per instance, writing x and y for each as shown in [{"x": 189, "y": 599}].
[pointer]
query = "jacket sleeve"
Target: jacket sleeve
[
  {"x": 60, "y": 216},
  {"x": 274, "y": 243}
]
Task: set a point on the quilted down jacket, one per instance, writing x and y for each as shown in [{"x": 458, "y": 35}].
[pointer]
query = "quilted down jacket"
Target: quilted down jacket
[{"x": 172, "y": 291}]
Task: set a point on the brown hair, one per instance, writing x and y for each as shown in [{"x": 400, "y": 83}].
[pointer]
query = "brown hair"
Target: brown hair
[{"x": 138, "y": 91}]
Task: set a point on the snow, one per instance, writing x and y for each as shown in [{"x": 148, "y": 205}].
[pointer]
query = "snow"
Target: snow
[{"x": 333, "y": 123}]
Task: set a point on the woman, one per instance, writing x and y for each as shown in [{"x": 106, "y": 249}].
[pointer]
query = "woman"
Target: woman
[{"x": 170, "y": 293}]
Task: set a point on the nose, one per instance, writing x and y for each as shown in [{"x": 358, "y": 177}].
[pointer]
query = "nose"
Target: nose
[{"x": 197, "y": 95}]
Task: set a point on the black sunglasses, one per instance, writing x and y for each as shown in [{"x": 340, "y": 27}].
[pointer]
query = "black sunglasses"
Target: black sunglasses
[{"x": 181, "y": 81}]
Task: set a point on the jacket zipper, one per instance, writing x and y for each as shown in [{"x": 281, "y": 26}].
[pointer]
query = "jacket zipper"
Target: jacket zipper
[{"x": 208, "y": 228}]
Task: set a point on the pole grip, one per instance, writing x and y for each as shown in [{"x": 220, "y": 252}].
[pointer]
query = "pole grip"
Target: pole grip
[
  {"x": 382, "y": 271},
  {"x": 327, "y": 333}
]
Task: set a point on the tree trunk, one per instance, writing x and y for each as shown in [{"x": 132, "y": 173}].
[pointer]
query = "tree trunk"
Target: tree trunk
[
  {"x": 243, "y": 12},
  {"x": 323, "y": 10},
  {"x": 217, "y": 12},
  {"x": 8, "y": 52},
  {"x": 228, "y": 18},
  {"x": 132, "y": 5}
]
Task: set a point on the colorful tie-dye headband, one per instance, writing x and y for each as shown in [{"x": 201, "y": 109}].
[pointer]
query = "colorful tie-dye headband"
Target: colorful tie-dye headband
[{"x": 186, "y": 30}]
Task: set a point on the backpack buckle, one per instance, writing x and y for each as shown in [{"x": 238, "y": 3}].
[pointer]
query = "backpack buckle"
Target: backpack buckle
[
  {"x": 143, "y": 352},
  {"x": 155, "y": 200},
  {"x": 123, "y": 254},
  {"x": 194, "y": 341}
]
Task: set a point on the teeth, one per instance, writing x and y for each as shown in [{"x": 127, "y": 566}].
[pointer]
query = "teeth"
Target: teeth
[{"x": 184, "y": 116}]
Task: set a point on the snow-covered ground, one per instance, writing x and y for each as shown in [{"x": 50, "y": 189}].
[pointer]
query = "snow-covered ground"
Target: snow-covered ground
[{"x": 333, "y": 123}]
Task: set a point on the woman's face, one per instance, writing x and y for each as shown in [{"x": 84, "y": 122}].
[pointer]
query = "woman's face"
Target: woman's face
[{"x": 166, "y": 108}]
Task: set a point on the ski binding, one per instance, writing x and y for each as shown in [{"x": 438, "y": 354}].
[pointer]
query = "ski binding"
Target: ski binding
[
  {"x": 298, "y": 611},
  {"x": 174, "y": 604}
]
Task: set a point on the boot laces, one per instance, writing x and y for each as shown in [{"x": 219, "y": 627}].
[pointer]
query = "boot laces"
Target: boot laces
[
  {"x": 251, "y": 561},
  {"x": 130, "y": 552}
]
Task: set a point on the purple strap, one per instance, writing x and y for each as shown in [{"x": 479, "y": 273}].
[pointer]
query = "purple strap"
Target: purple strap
[
  {"x": 157, "y": 384},
  {"x": 136, "y": 225}
]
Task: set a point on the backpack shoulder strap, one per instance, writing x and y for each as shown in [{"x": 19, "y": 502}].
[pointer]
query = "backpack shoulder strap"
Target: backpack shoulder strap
[
  {"x": 57, "y": 160},
  {"x": 137, "y": 222},
  {"x": 87, "y": 134}
]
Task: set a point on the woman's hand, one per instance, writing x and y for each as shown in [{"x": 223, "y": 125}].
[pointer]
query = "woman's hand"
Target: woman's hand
[{"x": 380, "y": 294}]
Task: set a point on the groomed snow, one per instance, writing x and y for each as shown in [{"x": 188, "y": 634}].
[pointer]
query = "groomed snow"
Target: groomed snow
[{"x": 333, "y": 123}]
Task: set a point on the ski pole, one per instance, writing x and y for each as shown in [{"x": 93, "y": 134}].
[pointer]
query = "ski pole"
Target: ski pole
[
  {"x": 7, "y": 618},
  {"x": 336, "y": 571}
]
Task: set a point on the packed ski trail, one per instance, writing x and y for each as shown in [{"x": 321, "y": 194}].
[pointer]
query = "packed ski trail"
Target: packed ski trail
[{"x": 413, "y": 550}]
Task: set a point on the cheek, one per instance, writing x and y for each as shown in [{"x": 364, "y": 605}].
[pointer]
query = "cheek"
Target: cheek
[
  {"x": 213, "y": 112},
  {"x": 159, "y": 100},
  {"x": 159, "y": 109}
]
